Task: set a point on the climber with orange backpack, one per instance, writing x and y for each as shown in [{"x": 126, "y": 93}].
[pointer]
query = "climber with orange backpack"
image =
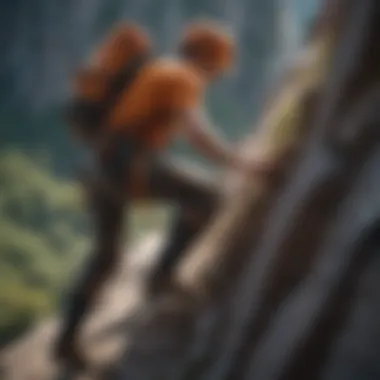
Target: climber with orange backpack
[{"x": 127, "y": 107}]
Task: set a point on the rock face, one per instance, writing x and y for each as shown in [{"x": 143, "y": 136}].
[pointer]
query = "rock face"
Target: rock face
[{"x": 105, "y": 333}]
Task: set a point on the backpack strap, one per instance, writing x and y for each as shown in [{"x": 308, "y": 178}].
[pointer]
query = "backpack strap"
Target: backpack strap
[{"x": 125, "y": 77}]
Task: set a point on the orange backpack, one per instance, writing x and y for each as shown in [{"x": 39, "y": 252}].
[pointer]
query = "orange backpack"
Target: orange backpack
[{"x": 98, "y": 86}]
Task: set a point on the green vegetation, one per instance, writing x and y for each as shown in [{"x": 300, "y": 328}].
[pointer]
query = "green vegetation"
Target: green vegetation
[{"x": 44, "y": 235}]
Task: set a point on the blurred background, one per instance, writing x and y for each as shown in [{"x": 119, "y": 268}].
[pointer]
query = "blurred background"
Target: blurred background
[{"x": 44, "y": 232}]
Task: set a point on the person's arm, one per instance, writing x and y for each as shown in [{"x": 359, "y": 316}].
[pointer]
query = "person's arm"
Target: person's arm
[{"x": 202, "y": 135}]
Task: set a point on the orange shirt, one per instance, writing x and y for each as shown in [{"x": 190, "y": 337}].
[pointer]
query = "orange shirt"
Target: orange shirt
[{"x": 161, "y": 90}]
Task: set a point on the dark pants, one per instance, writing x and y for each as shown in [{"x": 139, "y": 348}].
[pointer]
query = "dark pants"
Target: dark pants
[{"x": 109, "y": 196}]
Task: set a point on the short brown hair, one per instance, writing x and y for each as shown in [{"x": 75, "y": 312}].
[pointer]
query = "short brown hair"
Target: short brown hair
[{"x": 209, "y": 44}]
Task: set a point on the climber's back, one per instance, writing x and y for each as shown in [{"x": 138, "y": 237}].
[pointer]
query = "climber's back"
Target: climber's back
[{"x": 150, "y": 107}]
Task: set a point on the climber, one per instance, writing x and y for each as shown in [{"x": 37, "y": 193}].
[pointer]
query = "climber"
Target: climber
[{"x": 152, "y": 101}]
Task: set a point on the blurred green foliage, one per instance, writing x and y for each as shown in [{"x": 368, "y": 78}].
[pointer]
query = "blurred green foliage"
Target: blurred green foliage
[{"x": 44, "y": 236}]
